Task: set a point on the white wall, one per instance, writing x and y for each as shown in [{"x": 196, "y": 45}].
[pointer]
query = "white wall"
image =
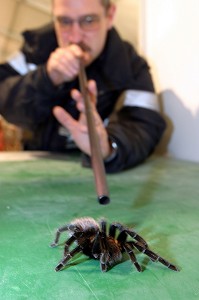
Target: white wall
[
  {"x": 169, "y": 39},
  {"x": 15, "y": 17},
  {"x": 127, "y": 19}
]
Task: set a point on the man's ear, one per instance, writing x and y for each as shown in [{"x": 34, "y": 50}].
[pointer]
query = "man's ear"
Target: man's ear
[{"x": 110, "y": 15}]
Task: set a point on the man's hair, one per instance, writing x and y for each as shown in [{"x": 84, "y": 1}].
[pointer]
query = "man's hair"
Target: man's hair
[{"x": 106, "y": 3}]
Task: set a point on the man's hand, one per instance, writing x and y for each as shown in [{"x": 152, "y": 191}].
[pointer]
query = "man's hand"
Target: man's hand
[
  {"x": 63, "y": 63},
  {"x": 78, "y": 128}
]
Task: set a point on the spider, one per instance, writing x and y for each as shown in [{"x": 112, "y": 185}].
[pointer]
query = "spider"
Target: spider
[{"x": 92, "y": 240}]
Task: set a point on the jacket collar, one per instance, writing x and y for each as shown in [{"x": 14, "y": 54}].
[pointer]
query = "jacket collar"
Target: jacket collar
[{"x": 114, "y": 64}]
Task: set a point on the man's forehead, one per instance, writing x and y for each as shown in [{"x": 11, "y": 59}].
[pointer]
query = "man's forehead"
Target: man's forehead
[
  {"x": 104, "y": 3},
  {"x": 77, "y": 8}
]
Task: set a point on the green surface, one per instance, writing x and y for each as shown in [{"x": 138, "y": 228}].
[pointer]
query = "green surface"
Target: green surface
[{"x": 160, "y": 199}]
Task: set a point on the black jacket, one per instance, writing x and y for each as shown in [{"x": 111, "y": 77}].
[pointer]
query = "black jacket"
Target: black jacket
[{"x": 27, "y": 98}]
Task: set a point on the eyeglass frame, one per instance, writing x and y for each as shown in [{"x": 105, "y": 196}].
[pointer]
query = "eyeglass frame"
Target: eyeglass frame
[{"x": 67, "y": 23}]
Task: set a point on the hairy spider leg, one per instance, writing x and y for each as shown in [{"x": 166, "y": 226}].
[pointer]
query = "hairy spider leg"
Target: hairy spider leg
[
  {"x": 66, "y": 258},
  {"x": 154, "y": 256},
  {"x": 103, "y": 247},
  {"x": 96, "y": 247},
  {"x": 57, "y": 235},
  {"x": 132, "y": 233},
  {"x": 68, "y": 243},
  {"x": 103, "y": 226},
  {"x": 112, "y": 230},
  {"x": 122, "y": 237},
  {"x": 137, "y": 237},
  {"x": 106, "y": 258},
  {"x": 129, "y": 251}
]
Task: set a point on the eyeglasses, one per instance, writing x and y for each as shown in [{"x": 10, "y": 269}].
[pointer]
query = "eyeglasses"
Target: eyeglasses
[{"x": 86, "y": 23}]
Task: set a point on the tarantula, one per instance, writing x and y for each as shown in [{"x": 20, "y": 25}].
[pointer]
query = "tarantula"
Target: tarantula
[{"x": 92, "y": 240}]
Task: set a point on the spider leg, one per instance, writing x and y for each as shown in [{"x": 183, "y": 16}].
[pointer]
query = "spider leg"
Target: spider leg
[
  {"x": 137, "y": 237},
  {"x": 122, "y": 237},
  {"x": 96, "y": 247},
  {"x": 154, "y": 256},
  {"x": 112, "y": 230},
  {"x": 132, "y": 233},
  {"x": 67, "y": 257},
  {"x": 103, "y": 226},
  {"x": 128, "y": 248},
  {"x": 104, "y": 254},
  {"x": 57, "y": 235},
  {"x": 68, "y": 243}
]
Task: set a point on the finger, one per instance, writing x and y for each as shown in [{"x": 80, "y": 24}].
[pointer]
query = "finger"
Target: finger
[
  {"x": 76, "y": 50},
  {"x": 77, "y": 96},
  {"x": 64, "y": 118},
  {"x": 62, "y": 67},
  {"x": 92, "y": 87},
  {"x": 68, "y": 63},
  {"x": 68, "y": 59},
  {"x": 68, "y": 71}
]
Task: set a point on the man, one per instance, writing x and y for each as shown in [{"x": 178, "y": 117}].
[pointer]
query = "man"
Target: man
[{"x": 40, "y": 89}]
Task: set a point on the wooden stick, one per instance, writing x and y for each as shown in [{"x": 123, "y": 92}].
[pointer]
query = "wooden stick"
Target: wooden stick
[{"x": 96, "y": 155}]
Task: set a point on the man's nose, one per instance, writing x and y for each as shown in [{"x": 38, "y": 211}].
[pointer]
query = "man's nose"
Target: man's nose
[{"x": 76, "y": 33}]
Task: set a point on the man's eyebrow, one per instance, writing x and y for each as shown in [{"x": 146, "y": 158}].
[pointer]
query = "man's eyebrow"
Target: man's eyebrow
[{"x": 82, "y": 16}]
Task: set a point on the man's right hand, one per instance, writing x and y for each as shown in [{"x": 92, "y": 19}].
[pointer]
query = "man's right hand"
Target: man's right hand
[{"x": 63, "y": 64}]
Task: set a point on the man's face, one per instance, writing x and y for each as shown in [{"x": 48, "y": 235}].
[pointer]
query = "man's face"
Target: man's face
[{"x": 92, "y": 22}]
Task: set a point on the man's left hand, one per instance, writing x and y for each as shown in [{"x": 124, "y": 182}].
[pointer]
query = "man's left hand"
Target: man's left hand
[{"x": 78, "y": 128}]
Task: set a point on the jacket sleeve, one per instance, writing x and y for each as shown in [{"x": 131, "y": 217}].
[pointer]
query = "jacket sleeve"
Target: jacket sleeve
[
  {"x": 136, "y": 125},
  {"x": 25, "y": 100},
  {"x": 136, "y": 131}
]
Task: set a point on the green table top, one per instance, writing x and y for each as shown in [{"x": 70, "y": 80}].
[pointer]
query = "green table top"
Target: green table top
[{"x": 159, "y": 199}]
